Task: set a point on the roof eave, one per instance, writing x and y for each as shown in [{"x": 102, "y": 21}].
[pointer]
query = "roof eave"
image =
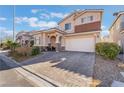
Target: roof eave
[
  {"x": 115, "y": 20},
  {"x": 98, "y": 10}
]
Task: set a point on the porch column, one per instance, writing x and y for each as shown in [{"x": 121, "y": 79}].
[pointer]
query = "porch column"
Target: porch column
[
  {"x": 58, "y": 46},
  {"x": 49, "y": 43},
  {"x": 44, "y": 41}
]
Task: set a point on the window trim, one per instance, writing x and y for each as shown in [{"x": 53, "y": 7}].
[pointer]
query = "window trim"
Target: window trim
[
  {"x": 87, "y": 19},
  {"x": 82, "y": 20},
  {"x": 69, "y": 26},
  {"x": 91, "y": 18}
]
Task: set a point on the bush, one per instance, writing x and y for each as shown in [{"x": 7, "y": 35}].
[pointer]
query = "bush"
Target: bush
[
  {"x": 1, "y": 45},
  {"x": 5, "y": 48},
  {"x": 107, "y": 50},
  {"x": 35, "y": 51},
  {"x": 24, "y": 51}
]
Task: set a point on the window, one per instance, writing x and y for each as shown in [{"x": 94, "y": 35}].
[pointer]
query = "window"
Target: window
[
  {"x": 68, "y": 26},
  {"x": 82, "y": 20},
  {"x": 86, "y": 19},
  {"x": 91, "y": 18}
]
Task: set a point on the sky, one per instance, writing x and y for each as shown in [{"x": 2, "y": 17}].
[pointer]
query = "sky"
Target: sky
[{"x": 39, "y": 17}]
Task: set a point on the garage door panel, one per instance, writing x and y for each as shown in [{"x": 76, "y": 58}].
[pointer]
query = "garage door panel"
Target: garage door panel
[{"x": 80, "y": 44}]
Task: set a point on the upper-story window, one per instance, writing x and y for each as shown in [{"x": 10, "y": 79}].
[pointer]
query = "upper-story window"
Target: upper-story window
[
  {"x": 83, "y": 20},
  {"x": 90, "y": 18},
  {"x": 68, "y": 26},
  {"x": 86, "y": 19}
]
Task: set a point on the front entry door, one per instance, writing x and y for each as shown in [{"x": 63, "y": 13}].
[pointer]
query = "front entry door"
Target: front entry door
[{"x": 53, "y": 42}]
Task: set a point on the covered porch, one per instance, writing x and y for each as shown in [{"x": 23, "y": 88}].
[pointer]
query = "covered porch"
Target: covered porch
[{"x": 54, "y": 40}]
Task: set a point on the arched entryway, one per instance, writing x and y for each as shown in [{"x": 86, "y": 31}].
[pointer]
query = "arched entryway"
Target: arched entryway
[{"x": 53, "y": 42}]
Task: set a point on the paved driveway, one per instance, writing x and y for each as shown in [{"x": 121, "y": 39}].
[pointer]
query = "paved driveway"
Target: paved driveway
[{"x": 67, "y": 68}]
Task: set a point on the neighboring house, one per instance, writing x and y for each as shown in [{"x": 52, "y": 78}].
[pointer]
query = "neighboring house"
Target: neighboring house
[
  {"x": 117, "y": 29},
  {"x": 106, "y": 39},
  {"x": 24, "y": 38},
  {"x": 77, "y": 32}
]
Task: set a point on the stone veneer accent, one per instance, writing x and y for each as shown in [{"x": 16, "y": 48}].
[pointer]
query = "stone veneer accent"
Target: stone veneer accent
[
  {"x": 62, "y": 48},
  {"x": 58, "y": 47}
]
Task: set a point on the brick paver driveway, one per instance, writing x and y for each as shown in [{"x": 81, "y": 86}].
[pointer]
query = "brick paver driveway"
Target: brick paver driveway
[{"x": 67, "y": 68}]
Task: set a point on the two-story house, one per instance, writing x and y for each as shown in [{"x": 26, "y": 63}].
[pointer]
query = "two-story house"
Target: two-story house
[
  {"x": 79, "y": 31},
  {"x": 117, "y": 29}
]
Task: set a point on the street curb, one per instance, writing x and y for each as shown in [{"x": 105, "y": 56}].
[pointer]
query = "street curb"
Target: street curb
[{"x": 33, "y": 78}]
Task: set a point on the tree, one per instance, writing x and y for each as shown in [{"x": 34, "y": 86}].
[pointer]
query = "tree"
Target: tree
[
  {"x": 8, "y": 43},
  {"x": 11, "y": 45},
  {"x": 1, "y": 45}
]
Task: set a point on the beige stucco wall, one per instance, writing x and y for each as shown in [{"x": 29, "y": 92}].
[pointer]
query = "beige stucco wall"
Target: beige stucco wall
[
  {"x": 68, "y": 20},
  {"x": 38, "y": 38},
  {"x": 114, "y": 32},
  {"x": 96, "y": 17},
  {"x": 77, "y": 21},
  {"x": 44, "y": 39},
  {"x": 63, "y": 41}
]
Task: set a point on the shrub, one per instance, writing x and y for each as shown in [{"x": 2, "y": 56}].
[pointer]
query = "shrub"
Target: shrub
[
  {"x": 107, "y": 50},
  {"x": 35, "y": 51},
  {"x": 8, "y": 43},
  {"x": 24, "y": 51},
  {"x": 14, "y": 45},
  {"x": 5, "y": 48},
  {"x": 1, "y": 45}
]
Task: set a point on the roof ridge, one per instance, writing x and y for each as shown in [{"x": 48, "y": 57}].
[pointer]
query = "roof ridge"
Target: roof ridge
[{"x": 76, "y": 11}]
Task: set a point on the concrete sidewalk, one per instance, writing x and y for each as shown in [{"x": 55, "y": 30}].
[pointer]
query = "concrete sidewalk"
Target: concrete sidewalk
[
  {"x": 33, "y": 79},
  {"x": 11, "y": 78}
]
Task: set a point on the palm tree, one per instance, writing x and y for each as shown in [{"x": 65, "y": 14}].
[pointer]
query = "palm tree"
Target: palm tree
[
  {"x": 9, "y": 43},
  {"x": 14, "y": 45}
]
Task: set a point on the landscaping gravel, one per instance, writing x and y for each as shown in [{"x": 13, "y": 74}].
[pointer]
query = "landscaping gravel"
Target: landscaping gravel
[{"x": 106, "y": 71}]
